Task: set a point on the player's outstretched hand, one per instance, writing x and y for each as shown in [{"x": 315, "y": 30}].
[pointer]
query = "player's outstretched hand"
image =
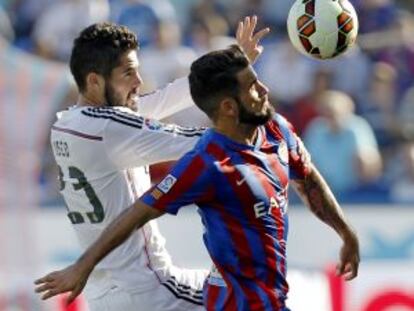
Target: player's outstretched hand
[
  {"x": 248, "y": 39},
  {"x": 71, "y": 279},
  {"x": 349, "y": 258}
]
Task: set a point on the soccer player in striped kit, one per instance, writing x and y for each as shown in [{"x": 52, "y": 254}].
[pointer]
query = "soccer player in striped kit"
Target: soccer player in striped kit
[
  {"x": 237, "y": 175},
  {"x": 103, "y": 147}
]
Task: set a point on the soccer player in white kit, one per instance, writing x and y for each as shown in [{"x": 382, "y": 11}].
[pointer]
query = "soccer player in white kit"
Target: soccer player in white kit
[{"x": 103, "y": 147}]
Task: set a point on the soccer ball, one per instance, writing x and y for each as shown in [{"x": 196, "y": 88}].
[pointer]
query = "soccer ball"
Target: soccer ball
[{"x": 322, "y": 28}]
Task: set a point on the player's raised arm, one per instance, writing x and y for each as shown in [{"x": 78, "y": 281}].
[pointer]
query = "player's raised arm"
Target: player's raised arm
[
  {"x": 317, "y": 195},
  {"x": 73, "y": 278},
  {"x": 248, "y": 39},
  {"x": 175, "y": 96}
]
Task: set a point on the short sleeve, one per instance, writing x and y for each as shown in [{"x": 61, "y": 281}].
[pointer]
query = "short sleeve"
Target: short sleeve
[
  {"x": 187, "y": 183},
  {"x": 299, "y": 157}
]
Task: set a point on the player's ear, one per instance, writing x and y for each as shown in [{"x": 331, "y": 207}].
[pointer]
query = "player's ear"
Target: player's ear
[
  {"x": 228, "y": 107},
  {"x": 94, "y": 81}
]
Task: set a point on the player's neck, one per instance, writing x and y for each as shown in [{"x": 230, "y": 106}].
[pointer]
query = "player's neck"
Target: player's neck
[
  {"x": 244, "y": 134},
  {"x": 87, "y": 99}
]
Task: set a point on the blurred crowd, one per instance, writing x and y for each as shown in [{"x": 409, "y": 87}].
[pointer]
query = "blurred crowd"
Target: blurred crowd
[{"x": 355, "y": 113}]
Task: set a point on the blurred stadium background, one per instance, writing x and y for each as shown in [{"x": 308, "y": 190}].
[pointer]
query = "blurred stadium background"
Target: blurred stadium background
[{"x": 363, "y": 142}]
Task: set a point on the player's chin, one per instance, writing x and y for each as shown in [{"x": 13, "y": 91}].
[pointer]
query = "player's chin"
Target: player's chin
[{"x": 268, "y": 108}]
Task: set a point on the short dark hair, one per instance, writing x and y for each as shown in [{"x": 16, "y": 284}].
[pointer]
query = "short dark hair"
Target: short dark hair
[
  {"x": 214, "y": 76},
  {"x": 98, "y": 49}
]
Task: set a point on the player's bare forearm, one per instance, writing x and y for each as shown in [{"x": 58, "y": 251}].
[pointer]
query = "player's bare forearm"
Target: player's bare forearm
[
  {"x": 118, "y": 231},
  {"x": 316, "y": 194},
  {"x": 73, "y": 278}
]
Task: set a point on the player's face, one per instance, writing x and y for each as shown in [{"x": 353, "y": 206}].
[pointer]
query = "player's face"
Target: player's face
[
  {"x": 253, "y": 102},
  {"x": 122, "y": 88}
]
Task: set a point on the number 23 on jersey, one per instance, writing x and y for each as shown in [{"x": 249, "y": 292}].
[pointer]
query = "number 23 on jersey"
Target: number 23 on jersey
[{"x": 98, "y": 214}]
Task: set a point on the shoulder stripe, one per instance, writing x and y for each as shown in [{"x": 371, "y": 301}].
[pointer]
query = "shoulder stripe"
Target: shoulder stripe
[
  {"x": 191, "y": 130},
  {"x": 173, "y": 281},
  {"x": 139, "y": 121},
  {"x": 184, "y": 292},
  {"x": 99, "y": 111},
  {"x": 188, "y": 132},
  {"x": 116, "y": 118}
]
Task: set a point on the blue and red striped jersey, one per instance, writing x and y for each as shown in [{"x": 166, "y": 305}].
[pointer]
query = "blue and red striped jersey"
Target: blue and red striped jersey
[{"x": 241, "y": 193}]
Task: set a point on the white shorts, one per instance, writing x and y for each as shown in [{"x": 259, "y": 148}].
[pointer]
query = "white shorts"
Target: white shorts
[{"x": 182, "y": 293}]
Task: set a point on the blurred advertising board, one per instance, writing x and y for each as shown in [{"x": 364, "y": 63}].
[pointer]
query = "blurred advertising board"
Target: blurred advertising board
[{"x": 385, "y": 281}]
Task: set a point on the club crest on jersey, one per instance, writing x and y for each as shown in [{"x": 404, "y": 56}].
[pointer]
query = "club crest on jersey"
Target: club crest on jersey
[
  {"x": 166, "y": 184},
  {"x": 283, "y": 152},
  {"x": 153, "y": 125},
  {"x": 156, "y": 193}
]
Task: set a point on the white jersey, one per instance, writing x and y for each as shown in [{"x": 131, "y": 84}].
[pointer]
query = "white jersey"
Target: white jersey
[{"x": 103, "y": 156}]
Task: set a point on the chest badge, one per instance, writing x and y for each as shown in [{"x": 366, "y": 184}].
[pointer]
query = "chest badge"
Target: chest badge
[{"x": 153, "y": 125}]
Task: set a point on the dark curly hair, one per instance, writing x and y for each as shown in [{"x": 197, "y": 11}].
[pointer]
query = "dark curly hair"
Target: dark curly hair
[
  {"x": 98, "y": 49},
  {"x": 214, "y": 76}
]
